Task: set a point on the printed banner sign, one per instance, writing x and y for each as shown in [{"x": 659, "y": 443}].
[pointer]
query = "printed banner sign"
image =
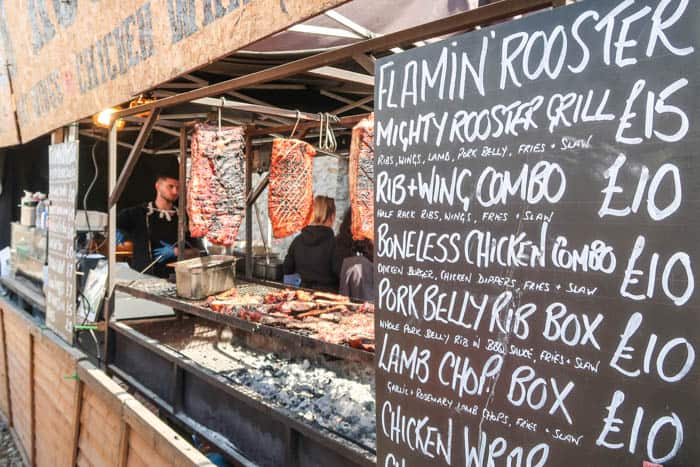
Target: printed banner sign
[{"x": 71, "y": 59}]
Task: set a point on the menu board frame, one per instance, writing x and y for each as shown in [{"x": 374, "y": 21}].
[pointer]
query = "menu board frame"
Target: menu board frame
[{"x": 536, "y": 200}]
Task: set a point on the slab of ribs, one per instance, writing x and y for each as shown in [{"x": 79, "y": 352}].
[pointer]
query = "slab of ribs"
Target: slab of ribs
[
  {"x": 216, "y": 191},
  {"x": 290, "y": 200},
  {"x": 361, "y": 176}
]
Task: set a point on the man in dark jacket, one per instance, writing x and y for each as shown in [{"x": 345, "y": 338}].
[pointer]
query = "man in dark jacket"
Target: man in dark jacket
[
  {"x": 152, "y": 227},
  {"x": 312, "y": 252}
]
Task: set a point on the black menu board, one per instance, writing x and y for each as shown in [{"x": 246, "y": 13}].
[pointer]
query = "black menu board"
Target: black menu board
[{"x": 536, "y": 242}]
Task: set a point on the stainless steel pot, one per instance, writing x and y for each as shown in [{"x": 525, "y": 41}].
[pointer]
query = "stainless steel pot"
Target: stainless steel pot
[
  {"x": 259, "y": 268},
  {"x": 273, "y": 271}
]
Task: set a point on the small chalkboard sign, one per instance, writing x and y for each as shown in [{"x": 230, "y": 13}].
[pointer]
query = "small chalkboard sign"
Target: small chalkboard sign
[
  {"x": 537, "y": 221},
  {"x": 63, "y": 189}
]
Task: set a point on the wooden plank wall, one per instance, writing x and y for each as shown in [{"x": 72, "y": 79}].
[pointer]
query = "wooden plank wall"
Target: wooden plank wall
[
  {"x": 54, "y": 387},
  {"x": 4, "y": 379},
  {"x": 63, "y": 411},
  {"x": 19, "y": 349}
]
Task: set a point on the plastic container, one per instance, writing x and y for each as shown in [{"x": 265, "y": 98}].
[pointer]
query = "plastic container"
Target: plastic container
[
  {"x": 42, "y": 212},
  {"x": 28, "y": 210}
]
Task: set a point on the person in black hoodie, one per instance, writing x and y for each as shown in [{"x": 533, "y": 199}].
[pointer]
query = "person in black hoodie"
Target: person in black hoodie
[
  {"x": 312, "y": 252},
  {"x": 355, "y": 259}
]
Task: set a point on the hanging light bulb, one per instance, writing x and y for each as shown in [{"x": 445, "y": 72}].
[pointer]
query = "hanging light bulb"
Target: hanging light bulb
[
  {"x": 142, "y": 99},
  {"x": 104, "y": 118}
]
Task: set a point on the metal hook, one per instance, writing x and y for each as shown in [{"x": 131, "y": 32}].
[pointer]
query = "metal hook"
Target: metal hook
[
  {"x": 320, "y": 130},
  {"x": 295, "y": 124},
  {"x": 327, "y": 140},
  {"x": 223, "y": 103}
]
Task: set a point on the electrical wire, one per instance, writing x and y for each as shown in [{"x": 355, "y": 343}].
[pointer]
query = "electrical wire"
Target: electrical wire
[
  {"x": 91, "y": 185},
  {"x": 92, "y": 333}
]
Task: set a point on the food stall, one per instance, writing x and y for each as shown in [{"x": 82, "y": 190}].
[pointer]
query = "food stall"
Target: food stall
[
  {"x": 247, "y": 359},
  {"x": 267, "y": 375}
]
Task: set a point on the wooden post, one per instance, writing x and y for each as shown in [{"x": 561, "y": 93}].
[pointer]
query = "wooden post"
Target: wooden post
[
  {"x": 123, "y": 444},
  {"x": 249, "y": 206},
  {"x": 57, "y": 135},
  {"x": 77, "y": 410},
  {"x": 133, "y": 158},
  {"x": 32, "y": 408},
  {"x": 111, "y": 235},
  {"x": 181, "y": 213},
  {"x": 7, "y": 370}
]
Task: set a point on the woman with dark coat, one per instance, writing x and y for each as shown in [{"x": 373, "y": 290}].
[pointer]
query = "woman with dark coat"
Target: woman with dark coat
[{"x": 312, "y": 253}]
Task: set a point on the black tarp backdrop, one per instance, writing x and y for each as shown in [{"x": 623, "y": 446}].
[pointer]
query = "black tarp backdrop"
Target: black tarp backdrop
[
  {"x": 26, "y": 168},
  {"x": 490, "y": 353},
  {"x": 140, "y": 187}
]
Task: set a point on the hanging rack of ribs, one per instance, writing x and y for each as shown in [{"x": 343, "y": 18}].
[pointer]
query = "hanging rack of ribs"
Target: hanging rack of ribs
[
  {"x": 216, "y": 190},
  {"x": 361, "y": 175},
  {"x": 290, "y": 200}
]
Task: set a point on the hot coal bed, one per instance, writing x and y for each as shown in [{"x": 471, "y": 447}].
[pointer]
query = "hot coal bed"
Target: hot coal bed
[{"x": 263, "y": 395}]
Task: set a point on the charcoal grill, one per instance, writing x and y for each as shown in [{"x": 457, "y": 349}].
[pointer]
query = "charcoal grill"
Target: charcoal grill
[{"x": 247, "y": 428}]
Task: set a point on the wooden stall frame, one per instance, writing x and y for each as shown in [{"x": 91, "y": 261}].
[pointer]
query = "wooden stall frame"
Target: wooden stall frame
[
  {"x": 318, "y": 64},
  {"x": 134, "y": 418}
]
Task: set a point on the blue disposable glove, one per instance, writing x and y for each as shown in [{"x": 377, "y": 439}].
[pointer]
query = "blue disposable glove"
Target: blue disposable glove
[
  {"x": 292, "y": 279},
  {"x": 166, "y": 252},
  {"x": 119, "y": 237}
]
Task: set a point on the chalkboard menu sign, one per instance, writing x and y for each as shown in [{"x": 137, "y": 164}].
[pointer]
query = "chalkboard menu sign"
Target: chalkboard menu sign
[
  {"x": 63, "y": 190},
  {"x": 537, "y": 225}
]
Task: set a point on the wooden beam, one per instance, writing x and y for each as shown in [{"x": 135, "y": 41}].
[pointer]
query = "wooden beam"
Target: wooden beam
[
  {"x": 345, "y": 100},
  {"x": 248, "y": 208},
  {"x": 255, "y": 194},
  {"x": 168, "y": 143},
  {"x": 182, "y": 202},
  {"x": 252, "y": 100},
  {"x": 167, "y": 131},
  {"x": 91, "y": 134},
  {"x": 172, "y": 85},
  {"x": 366, "y": 61},
  {"x": 353, "y": 105},
  {"x": 133, "y": 157},
  {"x": 195, "y": 79},
  {"x": 339, "y": 74},
  {"x": 278, "y": 87},
  {"x": 468, "y": 19},
  {"x": 348, "y": 121},
  {"x": 254, "y": 108}
]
